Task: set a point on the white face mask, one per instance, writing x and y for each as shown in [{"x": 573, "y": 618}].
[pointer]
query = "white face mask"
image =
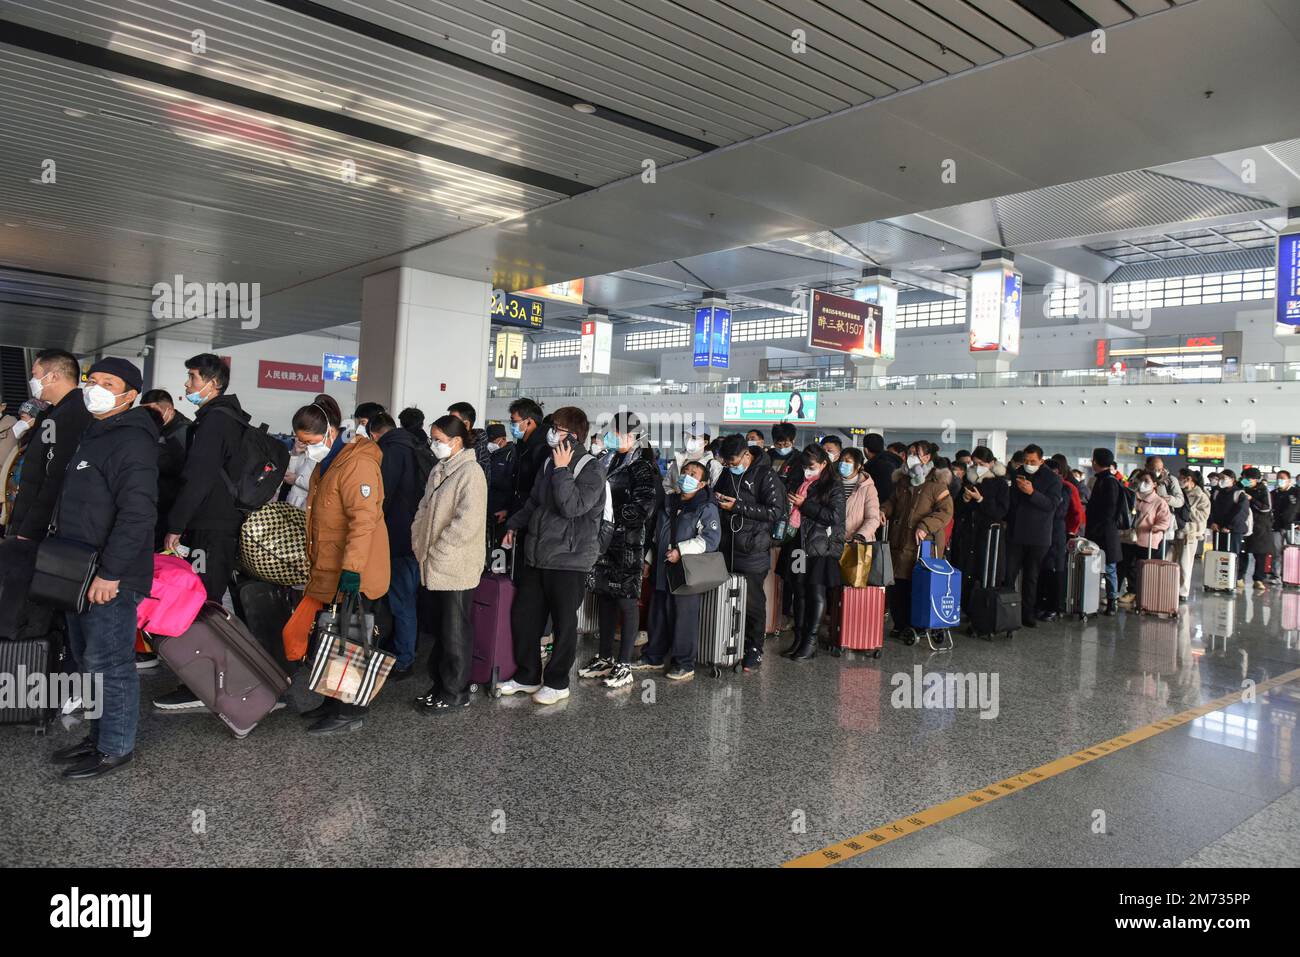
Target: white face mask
[
  {"x": 913, "y": 462},
  {"x": 811, "y": 473},
  {"x": 695, "y": 446},
  {"x": 1146, "y": 488},
  {"x": 441, "y": 449},
  {"x": 1031, "y": 469},
  {"x": 37, "y": 386},
  {"x": 20, "y": 427},
  {"x": 318, "y": 452},
  {"x": 361, "y": 430},
  {"x": 1283, "y": 484},
  {"x": 99, "y": 400},
  {"x": 833, "y": 456},
  {"x": 1225, "y": 483},
  {"x": 981, "y": 471},
  {"x": 552, "y": 438}
]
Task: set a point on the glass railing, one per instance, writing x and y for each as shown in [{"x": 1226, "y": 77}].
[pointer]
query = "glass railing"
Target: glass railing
[{"x": 1263, "y": 372}]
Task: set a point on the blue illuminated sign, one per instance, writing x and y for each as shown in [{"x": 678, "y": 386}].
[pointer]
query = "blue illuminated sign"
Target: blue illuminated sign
[
  {"x": 703, "y": 335},
  {"x": 721, "y": 351},
  {"x": 1288, "y": 280},
  {"x": 339, "y": 368}
]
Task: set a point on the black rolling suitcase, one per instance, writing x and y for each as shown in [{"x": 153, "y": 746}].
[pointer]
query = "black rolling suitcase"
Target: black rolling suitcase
[
  {"x": 994, "y": 610},
  {"x": 265, "y": 608},
  {"x": 19, "y": 660}
]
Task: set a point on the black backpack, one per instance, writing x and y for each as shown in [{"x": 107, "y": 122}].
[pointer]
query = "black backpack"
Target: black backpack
[
  {"x": 425, "y": 460},
  {"x": 1127, "y": 507},
  {"x": 256, "y": 470}
]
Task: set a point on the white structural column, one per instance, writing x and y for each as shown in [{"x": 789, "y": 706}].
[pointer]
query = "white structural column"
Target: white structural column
[
  {"x": 424, "y": 341},
  {"x": 995, "y": 441}
]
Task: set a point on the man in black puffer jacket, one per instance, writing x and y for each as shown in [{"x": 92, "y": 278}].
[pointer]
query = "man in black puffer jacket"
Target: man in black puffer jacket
[
  {"x": 110, "y": 501},
  {"x": 404, "y": 482},
  {"x": 751, "y": 500}
]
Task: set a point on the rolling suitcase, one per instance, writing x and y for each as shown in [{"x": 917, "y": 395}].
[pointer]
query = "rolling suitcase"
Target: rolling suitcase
[
  {"x": 19, "y": 661},
  {"x": 1157, "y": 585},
  {"x": 265, "y": 608},
  {"x": 589, "y": 615},
  {"x": 1290, "y": 558},
  {"x": 1220, "y": 572},
  {"x": 858, "y": 620},
  {"x": 994, "y": 610},
  {"x": 493, "y": 659},
  {"x": 722, "y": 626},
  {"x": 936, "y": 597},
  {"x": 1083, "y": 567},
  {"x": 226, "y": 667}
]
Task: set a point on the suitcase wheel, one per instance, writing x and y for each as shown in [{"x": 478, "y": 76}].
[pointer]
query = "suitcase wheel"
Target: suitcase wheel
[
  {"x": 715, "y": 671},
  {"x": 876, "y": 653},
  {"x": 836, "y": 651},
  {"x": 910, "y": 637}
]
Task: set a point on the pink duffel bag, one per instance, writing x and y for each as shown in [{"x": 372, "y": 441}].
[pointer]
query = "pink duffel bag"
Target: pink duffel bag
[{"x": 174, "y": 599}]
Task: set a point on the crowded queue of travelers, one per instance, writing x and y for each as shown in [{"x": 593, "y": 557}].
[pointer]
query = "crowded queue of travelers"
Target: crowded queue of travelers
[{"x": 412, "y": 518}]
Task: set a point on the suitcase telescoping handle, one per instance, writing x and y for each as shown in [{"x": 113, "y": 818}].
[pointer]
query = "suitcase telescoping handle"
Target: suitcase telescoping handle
[
  {"x": 991, "y": 554},
  {"x": 1162, "y": 548}
]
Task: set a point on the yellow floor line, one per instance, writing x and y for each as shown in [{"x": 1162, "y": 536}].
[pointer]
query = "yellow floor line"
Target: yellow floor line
[{"x": 866, "y": 841}]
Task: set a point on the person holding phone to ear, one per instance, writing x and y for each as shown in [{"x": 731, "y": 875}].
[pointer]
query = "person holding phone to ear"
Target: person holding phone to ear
[{"x": 561, "y": 524}]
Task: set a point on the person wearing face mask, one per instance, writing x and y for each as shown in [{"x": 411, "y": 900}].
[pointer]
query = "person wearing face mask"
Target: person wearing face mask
[
  {"x": 810, "y": 561},
  {"x": 561, "y": 521},
  {"x": 920, "y": 507},
  {"x": 109, "y": 501},
  {"x": 634, "y": 489},
  {"x": 477, "y": 437},
  {"x": 1197, "y": 503},
  {"x": 751, "y": 500},
  {"x": 501, "y": 478},
  {"x": 1230, "y": 513},
  {"x": 173, "y": 431},
  {"x": 690, "y": 519},
  {"x": 696, "y": 451},
  {"x": 1286, "y": 509},
  {"x": 11, "y": 469},
  {"x": 834, "y": 447},
  {"x": 1035, "y": 506},
  {"x": 1258, "y": 543},
  {"x": 1150, "y": 527},
  {"x": 531, "y": 451},
  {"x": 1065, "y": 525},
  {"x": 53, "y": 439},
  {"x": 1101, "y": 525},
  {"x": 404, "y": 481},
  {"x": 447, "y": 537},
  {"x": 203, "y": 515},
  {"x": 359, "y": 424},
  {"x": 347, "y": 541},
  {"x": 984, "y": 501},
  {"x": 862, "y": 502},
  {"x": 782, "y": 455},
  {"x": 757, "y": 443}
]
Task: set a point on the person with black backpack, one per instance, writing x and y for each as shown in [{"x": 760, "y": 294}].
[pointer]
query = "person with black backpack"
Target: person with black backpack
[
  {"x": 206, "y": 513},
  {"x": 1107, "y": 514},
  {"x": 405, "y": 469}
]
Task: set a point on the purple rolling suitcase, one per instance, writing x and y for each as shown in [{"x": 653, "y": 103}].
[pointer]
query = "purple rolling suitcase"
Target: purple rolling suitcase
[
  {"x": 494, "y": 651},
  {"x": 220, "y": 661}
]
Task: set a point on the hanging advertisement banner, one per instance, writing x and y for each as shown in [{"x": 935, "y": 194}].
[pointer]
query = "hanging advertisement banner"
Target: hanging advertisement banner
[
  {"x": 703, "y": 336},
  {"x": 758, "y": 407},
  {"x": 509, "y": 359},
  {"x": 1012, "y": 293},
  {"x": 884, "y": 295},
  {"x": 1288, "y": 284},
  {"x": 840, "y": 324},
  {"x": 597, "y": 346},
  {"x": 720, "y": 340},
  {"x": 570, "y": 292},
  {"x": 339, "y": 368},
  {"x": 994, "y": 305}
]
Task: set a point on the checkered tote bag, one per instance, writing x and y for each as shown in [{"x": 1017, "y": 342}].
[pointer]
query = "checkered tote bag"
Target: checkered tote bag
[
  {"x": 273, "y": 544},
  {"x": 347, "y": 665}
]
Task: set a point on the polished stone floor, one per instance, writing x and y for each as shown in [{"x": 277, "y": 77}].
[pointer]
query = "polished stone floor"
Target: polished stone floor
[{"x": 742, "y": 770}]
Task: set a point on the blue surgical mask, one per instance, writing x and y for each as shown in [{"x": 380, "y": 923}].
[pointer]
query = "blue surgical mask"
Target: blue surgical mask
[
  {"x": 846, "y": 469},
  {"x": 688, "y": 484},
  {"x": 611, "y": 441},
  {"x": 517, "y": 430},
  {"x": 736, "y": 469},
  {"x": 783, "y": 452}
]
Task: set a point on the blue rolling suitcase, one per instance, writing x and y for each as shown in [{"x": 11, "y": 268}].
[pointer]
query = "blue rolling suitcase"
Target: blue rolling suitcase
[{"x": 936, "y": 597}]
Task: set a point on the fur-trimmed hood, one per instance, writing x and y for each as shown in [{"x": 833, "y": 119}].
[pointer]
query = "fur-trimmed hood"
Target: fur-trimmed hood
[{"x": 936, "y": 475}]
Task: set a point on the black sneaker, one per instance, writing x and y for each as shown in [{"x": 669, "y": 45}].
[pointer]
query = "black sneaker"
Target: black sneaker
[
  {"x": 753, "y": 661},
  {"x": 597, "y": 667},
  {"x": 620, "y": 676},
  {"x": 400, "y": 674},
  {"x": 678, "y": 673},
  {"x": 645, "y": 664},
  {"x": 145, "y": 660},
  {"x": 182, "y": 699}
]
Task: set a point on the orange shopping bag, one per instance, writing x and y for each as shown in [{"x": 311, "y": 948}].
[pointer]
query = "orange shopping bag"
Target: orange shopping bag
[{"x": 297, "y": 631}]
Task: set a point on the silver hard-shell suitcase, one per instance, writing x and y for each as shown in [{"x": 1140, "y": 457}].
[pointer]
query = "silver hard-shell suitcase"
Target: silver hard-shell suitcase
[
  {"x": 1084, "y": 564},
  {"x": 722, "y": 626}
]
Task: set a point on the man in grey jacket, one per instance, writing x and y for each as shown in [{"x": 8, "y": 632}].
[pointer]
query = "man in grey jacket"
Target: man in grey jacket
[{"x": 560, "y": 523}]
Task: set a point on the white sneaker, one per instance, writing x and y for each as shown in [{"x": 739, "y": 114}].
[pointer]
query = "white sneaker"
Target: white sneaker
[
  {"x": 546, "y": 695},
  {"x": 514, "y": 687},
  {"x": 72, "y": 706},
  {"x": 620, "y": 676},
  {"x": 598, "y": 667}
]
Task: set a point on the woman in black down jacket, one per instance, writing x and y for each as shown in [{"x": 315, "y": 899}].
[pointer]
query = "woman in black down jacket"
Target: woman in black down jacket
[
  {"x": 635, "y": 486},
  {"x": 817, "y": 507}
]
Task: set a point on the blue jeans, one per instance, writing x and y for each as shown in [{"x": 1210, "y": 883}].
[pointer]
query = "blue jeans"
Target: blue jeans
[
  {"x": 403, "y": 591},
  {"x": 103, "y": 642},
  {"x": 1112, "y": 579}
]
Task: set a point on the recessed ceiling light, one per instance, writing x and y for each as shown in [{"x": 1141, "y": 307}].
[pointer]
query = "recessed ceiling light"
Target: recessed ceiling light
[
  {"x": 75, "y": 114},
  {"x": 584, "y": 107}
]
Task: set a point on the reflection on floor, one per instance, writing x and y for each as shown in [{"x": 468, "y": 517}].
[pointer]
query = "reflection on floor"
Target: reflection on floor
[{"x": 743, "y": 770}]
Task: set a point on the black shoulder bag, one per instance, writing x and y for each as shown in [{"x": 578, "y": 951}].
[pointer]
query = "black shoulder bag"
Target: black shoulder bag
[{"x": 694, "y": 574}]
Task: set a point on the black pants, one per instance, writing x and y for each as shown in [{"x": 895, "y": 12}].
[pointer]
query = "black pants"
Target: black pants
[
  {"x": 809, "y": 605},
  {"x": 612, "y": 611},
  {"x": 220, "y": 555},
  {"x": 900, "y": 604},
  {"x": 755, "y": 612},
  {"x": 1026, "y": 561},
  {"x": 674, "y": 629},
  {"x": 453, "y": 644},
  {"x": 543, "y": 593},
  {"x": 1259, "y": 574},
  {"x": 17, "y": 564}
]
